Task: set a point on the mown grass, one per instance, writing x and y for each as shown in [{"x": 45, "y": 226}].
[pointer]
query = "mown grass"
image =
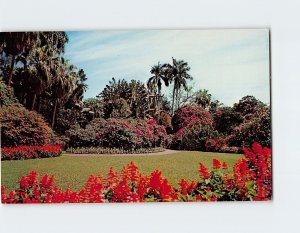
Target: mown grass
[{"x": 74, "y": 171}]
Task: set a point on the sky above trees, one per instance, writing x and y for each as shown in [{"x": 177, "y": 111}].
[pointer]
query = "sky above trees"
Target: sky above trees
[{"x": 229, "y": 63}]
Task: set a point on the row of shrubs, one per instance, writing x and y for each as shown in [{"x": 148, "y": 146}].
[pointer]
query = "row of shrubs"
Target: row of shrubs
[
  {"x": 125, "y": 134},
  {"x": 251, "y": 181},
  {"x": 30, "y": 152},
  {"x": 101, "y": 150},
  {"x": 193, "y": 129}
]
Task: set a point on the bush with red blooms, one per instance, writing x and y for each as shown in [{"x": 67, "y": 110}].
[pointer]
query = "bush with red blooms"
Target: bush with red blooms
[
  {"x": 188, "y": 115},
  {"x": 251, "y": 181},
  {"x": 193, "y": 125},
  {"x": 30, "y": 152}
]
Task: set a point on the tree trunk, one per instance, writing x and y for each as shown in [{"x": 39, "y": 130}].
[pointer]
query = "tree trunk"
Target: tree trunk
[
  {"x": 39, "y": 105},
  {"x": 11, "y": 69},
  {"x": 178, "y": 99},
  {"x": 33, "y": 101},
  {"x": 173, "y": 97},
  {"x": 54, "y": 113}
]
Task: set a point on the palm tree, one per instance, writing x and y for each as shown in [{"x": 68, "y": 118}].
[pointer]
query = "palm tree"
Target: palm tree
[
  {"x": 47, "y": 47},
  {"x": 178, "y": 74},
  {"x": 37, "y": 73},
  {"x": 159, "y": 77},
  {"x": 14, "y": 44},
  {"x": 63, "y": 85},
  {"x": 203, "y": 98}
]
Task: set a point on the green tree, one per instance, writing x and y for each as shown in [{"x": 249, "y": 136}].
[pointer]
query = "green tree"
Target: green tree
[
  {"x": 178, "y": 74},
  {"x": 14, "y": 44},
  {"x": 203, "y": 98},
  {"x": 63, "y": 85},
  {"x": 159, "y": 76}
]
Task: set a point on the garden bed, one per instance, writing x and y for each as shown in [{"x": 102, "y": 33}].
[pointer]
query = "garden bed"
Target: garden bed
[
  {"x": 30, "y": 152},
  {"x": 112, "y": 151}
]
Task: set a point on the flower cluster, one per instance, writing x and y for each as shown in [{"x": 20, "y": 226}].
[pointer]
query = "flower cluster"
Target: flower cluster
[
  {"x": 251, "y": 181},
  {"x": 30, "y": 152},
  {"x": 254, "y": 173}
]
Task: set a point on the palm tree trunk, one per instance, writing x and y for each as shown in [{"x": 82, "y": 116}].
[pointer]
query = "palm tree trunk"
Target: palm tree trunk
[
  {"x": 173, "y": 97},
  {"x": 178, "y": 99},
  {"x": 54, "y": 113},
  {"x": 11, "y": 69},
  {"x": 33, "y": 101},
  {"x": 39, "y": 105}
]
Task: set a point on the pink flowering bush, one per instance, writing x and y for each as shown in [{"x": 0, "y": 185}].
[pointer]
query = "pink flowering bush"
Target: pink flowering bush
[
  {"x": 189, "y": 115},
  {"x": 193, "y": 125},
  {"x": 251, "y": 180}
]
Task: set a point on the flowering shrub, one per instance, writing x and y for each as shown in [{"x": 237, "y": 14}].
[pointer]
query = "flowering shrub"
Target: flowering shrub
[
  {"x": 251, "y": 181},
  {"x": 193, "y": 126},
  {"x": 189, "y": 115},
  {"x": 132, "y": 134},
  {"x": 125, "y": 134},
  {"x": 20, "y": 126},
  {"x": 193, "y": 137},
  {"x": 30, "y": 152}
]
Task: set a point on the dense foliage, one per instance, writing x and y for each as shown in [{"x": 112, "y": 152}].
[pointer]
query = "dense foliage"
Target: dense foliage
[
  {"x": 189, "y": 115},
  {"x": 7, "y": 96},
  {"x": 132, "y": 134},
  {"x": 30, "y": 152},
  {"x": 255, "y": 128},
  {"x": 251, "y": 180},
  {"x": 127, "y": 134},
  {"x": 20, "y": 126}
]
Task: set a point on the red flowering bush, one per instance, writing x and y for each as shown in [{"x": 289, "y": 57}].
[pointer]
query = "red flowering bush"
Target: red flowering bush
[
  {"x": 30, "y": 152},
  {"x": 189, "y": 115},
  {"x": 251, "y": 181},
  {"x": 193, "y": 126}
]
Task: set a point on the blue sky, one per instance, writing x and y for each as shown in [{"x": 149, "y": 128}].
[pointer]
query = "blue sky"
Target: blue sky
[{"x": 229, "y": 63}]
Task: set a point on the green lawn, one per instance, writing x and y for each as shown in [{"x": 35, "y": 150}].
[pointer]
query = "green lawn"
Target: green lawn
[{"x": 75, "y": 170}]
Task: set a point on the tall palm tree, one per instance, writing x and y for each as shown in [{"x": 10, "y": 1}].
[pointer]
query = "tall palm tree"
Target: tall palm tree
[
  {"x": 37, "y": 64},
  {"x": 159, "y": 77},
  {"x": 38, "y": 75},
  {"x": 64, "y": 84},
  {"x": 178, "y": 74},
  {"x": 14, "y": 44}
]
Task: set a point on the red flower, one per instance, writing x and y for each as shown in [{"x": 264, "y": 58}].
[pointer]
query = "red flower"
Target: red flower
[
  {"x": 203, "y": 171},
  {"x": 216, "y": 164}
]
